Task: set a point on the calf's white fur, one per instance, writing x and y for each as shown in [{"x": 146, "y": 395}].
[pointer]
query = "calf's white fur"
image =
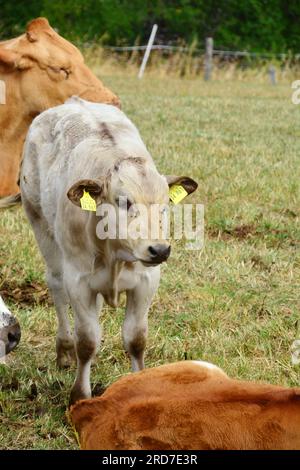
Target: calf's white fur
[{"x": 94, "y": 147}]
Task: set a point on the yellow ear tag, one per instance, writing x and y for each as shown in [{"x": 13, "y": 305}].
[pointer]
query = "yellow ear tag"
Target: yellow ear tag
[
  {"x": 87, "y": 202},
  {"x": 177, "y": 193}
]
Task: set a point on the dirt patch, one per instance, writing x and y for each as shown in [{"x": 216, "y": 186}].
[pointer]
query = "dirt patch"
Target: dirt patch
[
  {"x": 33, "y": 392},
  {"x": 31, "y": 293},
  {"x": 258, "y": 262},
  {"x": 248, "y": 231},
  {"x": 10, "y": 386},
  {"x": 289, "y": 213},
  {"x": 240, "y": 232}
]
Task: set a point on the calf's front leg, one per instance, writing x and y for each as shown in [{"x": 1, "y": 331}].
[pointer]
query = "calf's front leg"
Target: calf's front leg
[
  {"x": 87, "y": 337},
  {"x": 135, "y": 326}
]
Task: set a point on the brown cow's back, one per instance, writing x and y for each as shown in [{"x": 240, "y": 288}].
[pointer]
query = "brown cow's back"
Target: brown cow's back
[
  {"x": 189, "y": 406},
  {"x": 40, "y": 70}
]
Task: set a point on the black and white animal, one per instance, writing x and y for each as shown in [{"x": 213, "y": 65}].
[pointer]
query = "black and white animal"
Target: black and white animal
[{"x": 10, "y": 331}]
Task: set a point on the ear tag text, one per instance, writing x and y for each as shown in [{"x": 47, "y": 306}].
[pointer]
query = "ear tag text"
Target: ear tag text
[
  {"x": 177, "y": 193},
  {"x": 87, "y": 202}
]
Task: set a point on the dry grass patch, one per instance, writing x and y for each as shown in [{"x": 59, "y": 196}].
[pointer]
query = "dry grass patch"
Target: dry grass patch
[{"x": 235, "y": 303}]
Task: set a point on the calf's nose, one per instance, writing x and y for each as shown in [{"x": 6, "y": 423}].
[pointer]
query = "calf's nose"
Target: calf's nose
[
  {"x": 13, "y": 337},
  {"x": 159, "y": 252}
]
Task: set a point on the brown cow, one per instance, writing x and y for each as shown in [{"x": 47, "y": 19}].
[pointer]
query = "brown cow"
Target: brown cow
[
  {"x": 38, "y": 70},
  {"x": 189, "y": 405}
]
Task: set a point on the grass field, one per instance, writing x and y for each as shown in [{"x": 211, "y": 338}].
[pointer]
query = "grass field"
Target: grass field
[{"x": 235, "y": 303}]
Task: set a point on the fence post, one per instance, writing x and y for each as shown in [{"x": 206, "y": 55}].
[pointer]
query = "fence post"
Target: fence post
[
  {"x": 209, "y": 45},
  {"x": 272, "y": 74},
  {"x": 148, "y": 50}
]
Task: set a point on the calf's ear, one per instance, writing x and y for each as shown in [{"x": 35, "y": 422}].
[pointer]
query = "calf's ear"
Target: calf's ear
[
  {"x": 96, "y": 190},
  {"x": 187, "y": 183}
]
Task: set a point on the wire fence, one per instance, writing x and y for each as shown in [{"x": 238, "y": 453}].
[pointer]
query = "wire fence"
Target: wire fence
[
  {"x": 216, "y": 52},
  {"x": 191, "y": 60}
]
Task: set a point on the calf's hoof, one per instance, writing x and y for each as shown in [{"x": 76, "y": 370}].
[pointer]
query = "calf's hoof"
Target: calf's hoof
[
  {"x": 66, "y": 354},
  {"x": 77, "y": 394}
]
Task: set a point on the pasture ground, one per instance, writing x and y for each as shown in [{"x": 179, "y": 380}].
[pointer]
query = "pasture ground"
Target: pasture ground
[{"x": 235, "y": 303}]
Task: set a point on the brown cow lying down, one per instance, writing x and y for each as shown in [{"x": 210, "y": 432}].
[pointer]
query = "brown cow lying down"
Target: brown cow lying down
[
  {"x": 38, "y": 70},
  {"x": 188, "y": 405}
]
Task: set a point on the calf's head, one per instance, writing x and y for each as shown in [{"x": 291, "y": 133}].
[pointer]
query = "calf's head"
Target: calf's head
[
  {"x": 10, "y": 331},
  {"x": 45, "y": 70},
  {"x": 133, "y": 198}
]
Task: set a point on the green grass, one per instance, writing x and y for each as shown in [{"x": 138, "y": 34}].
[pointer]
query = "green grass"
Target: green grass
[{"x": 235, "y": 303}]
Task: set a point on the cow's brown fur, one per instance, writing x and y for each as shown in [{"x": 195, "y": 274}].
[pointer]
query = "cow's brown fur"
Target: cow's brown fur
[
  {"x": 189, "y": 405},
  {"x": 40, "y": 70}
]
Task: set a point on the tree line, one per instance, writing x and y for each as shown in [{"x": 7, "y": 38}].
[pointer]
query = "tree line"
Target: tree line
[{"x": 256, "y": 25}]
